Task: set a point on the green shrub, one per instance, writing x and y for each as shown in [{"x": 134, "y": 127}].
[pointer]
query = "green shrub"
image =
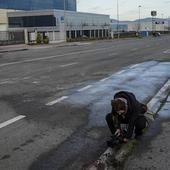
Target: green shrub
[
  {"x": 39, "y": 38},
  {"x": 46, "y": 40}
]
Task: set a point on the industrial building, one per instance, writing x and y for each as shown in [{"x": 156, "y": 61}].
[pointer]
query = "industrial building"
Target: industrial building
[
  {"x": 148, "y": 26},
  {"x": 59, "y": 25},
  {"x": 143, "y": 25},
  {"x": 69, "y": 5},
  {"x": 55, "y": 19}
]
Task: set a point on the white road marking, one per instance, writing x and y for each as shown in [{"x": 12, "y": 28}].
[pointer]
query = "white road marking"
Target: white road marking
[
  {"x": 27, "y": 61},
  {"x": 35, "y": 82},
  {"x": 134, "y": 49},
  {"x": 11, "y": 121},
  {"x": 104, "y": 79},
  {"x": 57, "y": 101},
  {"x": 26, "y": 78},
  {"x": 167, "y": 51},
  {"x": 6, "y": 82},
  {"x": 85, "y": 88},
  {"x": 66, "y": 65},
  {"x": 120, "y": 72},
  {"x": 81, "y": 43},
  {"x": 50, "y": 57},
  {"x": 134, "y": 66},
  {"x": 112, "y": 54},
  {"x": 148, "y": 46}
]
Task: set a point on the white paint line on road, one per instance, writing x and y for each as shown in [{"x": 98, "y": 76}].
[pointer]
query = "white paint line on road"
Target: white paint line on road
[
  {"x": 57, "y": 101},
  {"x": 104, "y": 79},
  {"x": 167, "y": 51},
  {"x": 36, "y": 82},
  {"x": 112, "y": 54},
  {"x": 11, "y": 121},
  {"x": 50, "y": 57},
  {"x": 134, "y": 66},
  {"x": 120, "y": 72},
  {"x": 66, "y": 65},
  {"x": 27, "y": 61},
  {"x": 134, "y": 49},
  {"x": 85, "y": 88},
  {"x": 148, "y": 46},
  {"x": 6, "y": 82},
  {"x": 81, "y": 43},
  {"x": 26, "y": 78}
]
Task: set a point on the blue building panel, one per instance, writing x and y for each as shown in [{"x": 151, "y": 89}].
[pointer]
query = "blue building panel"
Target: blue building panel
[
  {"x": 38, "y": 4},
  {"x": 120, "y": 26}
]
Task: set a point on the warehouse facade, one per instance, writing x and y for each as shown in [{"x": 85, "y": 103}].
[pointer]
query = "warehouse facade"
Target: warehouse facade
[
  {"x": 59, "y": 25},
  {"x": 69, "y": 5}
]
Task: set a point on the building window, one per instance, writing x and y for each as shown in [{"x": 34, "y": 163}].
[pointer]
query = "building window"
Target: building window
[{"x": 32, "y": 21}]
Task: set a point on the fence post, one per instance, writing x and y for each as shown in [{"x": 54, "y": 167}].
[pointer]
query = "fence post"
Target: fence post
[{"x": 26, "y": 36}]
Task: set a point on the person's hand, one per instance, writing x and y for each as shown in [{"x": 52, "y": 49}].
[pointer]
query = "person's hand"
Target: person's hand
[
  {"x": 117, "y": 133},
  {"x": 125, "y": 140}
]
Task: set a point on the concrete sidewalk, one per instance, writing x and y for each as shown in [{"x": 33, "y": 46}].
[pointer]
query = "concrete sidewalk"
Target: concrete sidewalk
[
  {"x": 153, "y": 151},
  {"x": 23, "y": 47},
  {"x": 11, "y": 48}
]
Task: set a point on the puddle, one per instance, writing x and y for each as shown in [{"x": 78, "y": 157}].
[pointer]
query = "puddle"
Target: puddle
[{"x": 144, "y": 80}]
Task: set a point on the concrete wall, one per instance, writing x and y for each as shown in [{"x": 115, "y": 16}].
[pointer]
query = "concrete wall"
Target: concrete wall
[
  {"x": 4, "y": 19},
  {"x": 147, "y": 26},
  {"x": 69, "y": 24}
]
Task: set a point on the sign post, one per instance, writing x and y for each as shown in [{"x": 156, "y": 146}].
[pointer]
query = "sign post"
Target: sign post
[{"x": 153, "y": 14}]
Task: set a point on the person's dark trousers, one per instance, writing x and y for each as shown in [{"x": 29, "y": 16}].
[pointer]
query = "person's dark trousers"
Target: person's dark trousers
[
  {"x": 110, "y": 123},
  {"x": 140, "y": 124}
]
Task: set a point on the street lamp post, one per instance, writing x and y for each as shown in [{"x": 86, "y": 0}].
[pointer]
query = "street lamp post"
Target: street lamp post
[
  {"x": 65, "y": 30},
  {"x": 139, "y": 27},
  {"x": 163, "y": 24},
  {"x": 169, "y": 24},
  {"x": 118, "y": 36}
]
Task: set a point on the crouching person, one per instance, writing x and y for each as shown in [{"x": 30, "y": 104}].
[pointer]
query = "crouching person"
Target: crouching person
[{"x": 126, "y": 109}]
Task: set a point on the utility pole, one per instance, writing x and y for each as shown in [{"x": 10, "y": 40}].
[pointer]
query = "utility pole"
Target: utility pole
[
  {"x": 169, "y": 24},
  {"x": 118, "y": 36},
  {"x": 65, "y": 29},
  {"x": 163, "y": 22},
  {"x": 139, "y": 18}
]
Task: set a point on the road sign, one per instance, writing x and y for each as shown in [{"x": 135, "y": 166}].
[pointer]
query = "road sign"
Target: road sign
[{"x": 153, "y": 13}]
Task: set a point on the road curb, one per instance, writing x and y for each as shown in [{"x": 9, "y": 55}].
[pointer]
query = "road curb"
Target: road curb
[
  {"x": 13, "y": 50},
  {"x": 111, "y": 158}
]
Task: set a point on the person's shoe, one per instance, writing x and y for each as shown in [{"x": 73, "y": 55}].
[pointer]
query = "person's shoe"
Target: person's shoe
[{"x": 113, "y": 141}]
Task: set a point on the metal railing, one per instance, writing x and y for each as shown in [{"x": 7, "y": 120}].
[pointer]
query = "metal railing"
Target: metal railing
[{"x": 8, "y": 37}]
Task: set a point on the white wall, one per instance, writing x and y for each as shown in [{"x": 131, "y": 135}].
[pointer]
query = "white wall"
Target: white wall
[
  {"x": 147, "y": 26},
  {"x": 4, "y": 19}
]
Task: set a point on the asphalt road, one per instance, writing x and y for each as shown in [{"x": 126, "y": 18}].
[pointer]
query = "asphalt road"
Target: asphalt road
[{"x": 40, "y": 130}]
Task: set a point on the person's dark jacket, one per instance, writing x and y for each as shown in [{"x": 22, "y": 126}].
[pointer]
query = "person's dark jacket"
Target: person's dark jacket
[{"x": 135, "y": 109}]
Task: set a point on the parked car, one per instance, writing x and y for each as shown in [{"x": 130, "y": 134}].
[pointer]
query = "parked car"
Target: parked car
[{"x": 156, "y": 34}]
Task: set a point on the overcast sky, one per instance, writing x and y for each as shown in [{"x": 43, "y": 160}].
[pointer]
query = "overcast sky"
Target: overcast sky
[{"x": 128, "y": 9}]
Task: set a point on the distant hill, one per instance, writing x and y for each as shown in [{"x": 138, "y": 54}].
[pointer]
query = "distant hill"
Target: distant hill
[
  {"x": 150, "y": 19},
  {"x": 143, "y": 20}
]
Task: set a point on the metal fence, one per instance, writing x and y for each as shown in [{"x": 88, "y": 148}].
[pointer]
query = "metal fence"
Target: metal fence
[{"x": 7, "y": 37}]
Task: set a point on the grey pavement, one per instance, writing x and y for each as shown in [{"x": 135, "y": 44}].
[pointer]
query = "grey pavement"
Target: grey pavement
[
  {"x": 13, "y": 48},
  {"x": 24, "y": 47},
  {"x": 153, "y": 151},
  {"x": 64, "y": 94}
]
